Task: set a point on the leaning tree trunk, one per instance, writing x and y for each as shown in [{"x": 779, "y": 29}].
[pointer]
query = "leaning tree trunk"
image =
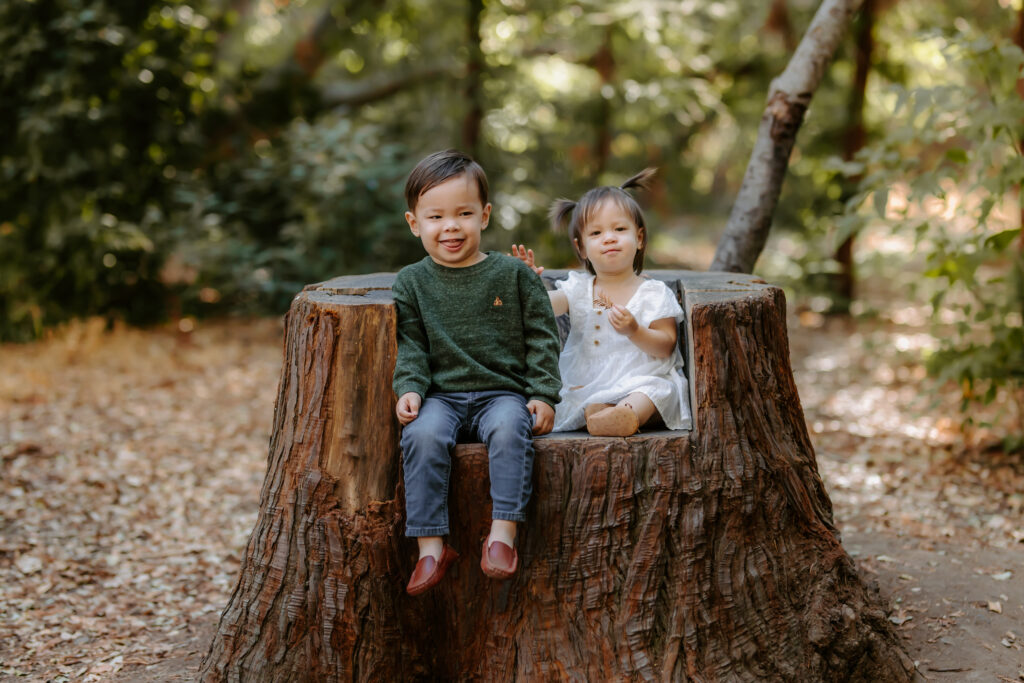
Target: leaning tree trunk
[
  {"x": 706, "y": 555},
  {"x": 788, "y": 98}
]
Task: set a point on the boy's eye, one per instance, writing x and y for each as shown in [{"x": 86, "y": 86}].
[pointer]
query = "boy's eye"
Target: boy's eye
[{"x": 433, "y": 217}]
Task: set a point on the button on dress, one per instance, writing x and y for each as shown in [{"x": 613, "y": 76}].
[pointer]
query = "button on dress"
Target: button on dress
[{"x": 600, "y": 365}]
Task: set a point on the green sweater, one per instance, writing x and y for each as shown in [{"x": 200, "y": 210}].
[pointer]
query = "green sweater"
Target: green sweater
[{"x": 484, "y": 327}]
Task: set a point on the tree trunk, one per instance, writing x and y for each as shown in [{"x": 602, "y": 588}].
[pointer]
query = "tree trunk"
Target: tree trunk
[
  {"x": 474, "y": 117},
  {"x": 788, "y": 98},
  {"x": 603, "y": 61},
  {"x": 1018, "y": 40},
  {"x": 778, "y": 22},
  {"x": 853, "y": 141},
  {"x": 705, "y": 555}
]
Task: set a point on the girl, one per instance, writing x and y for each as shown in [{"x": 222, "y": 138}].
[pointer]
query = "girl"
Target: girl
[{"x": 620, "y": 366}]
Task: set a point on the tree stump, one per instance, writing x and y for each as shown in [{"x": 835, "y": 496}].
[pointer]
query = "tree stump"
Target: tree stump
[{"x": 706, "y": 555}]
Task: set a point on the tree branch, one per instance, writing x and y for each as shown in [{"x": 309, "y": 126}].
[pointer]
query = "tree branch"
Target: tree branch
[
  {"x": 789, "y": 96},
  {"x": 354, "y": 95}
]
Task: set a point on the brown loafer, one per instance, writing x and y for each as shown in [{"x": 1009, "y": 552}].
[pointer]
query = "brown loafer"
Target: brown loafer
[
  {"x": 429, "y": 572},
  {"x": 499, "y": 561},
  {"x": 615, "y": 421}
]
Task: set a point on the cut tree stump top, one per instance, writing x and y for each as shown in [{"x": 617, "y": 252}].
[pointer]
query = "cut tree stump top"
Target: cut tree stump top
[{"x": 692, "y": 289}]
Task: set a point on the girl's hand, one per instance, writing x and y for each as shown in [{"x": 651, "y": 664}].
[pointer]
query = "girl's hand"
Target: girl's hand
[
  {"x": 408, "y": 407},
  {"x": 622, "y": 320},
  {"x": 545, "y": 416},
  {"x": 526, "y": 256}
]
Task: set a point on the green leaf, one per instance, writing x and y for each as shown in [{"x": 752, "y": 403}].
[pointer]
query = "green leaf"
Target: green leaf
[
  {"x": 880, "y": 199},
  {"x": 1003, "y": 239},
  {"x": 957, "y": 155}
]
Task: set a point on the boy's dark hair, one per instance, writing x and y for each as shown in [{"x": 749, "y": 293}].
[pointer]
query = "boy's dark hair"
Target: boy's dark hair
[
  {"x": 439, "y": 167},
  {"x": 578, "y": 214}
]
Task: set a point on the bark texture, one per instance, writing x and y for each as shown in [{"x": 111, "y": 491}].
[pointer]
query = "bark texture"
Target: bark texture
[
  {"x": 788, "y": 98},
  {"x": 684, "y": 556}
]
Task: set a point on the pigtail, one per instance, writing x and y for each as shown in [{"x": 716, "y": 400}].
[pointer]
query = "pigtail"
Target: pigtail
[
  {"x": 641, "y": 180},
  {"x": 559, "y": 213}
]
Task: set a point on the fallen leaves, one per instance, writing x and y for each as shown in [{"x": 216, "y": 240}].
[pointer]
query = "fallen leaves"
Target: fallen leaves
[{"x": 130, "y": 466}]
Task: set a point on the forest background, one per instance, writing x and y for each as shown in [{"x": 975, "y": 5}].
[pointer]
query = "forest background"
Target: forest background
[
  {"x": 173, "y": 172},
  {"x": 186, "y": 159}
]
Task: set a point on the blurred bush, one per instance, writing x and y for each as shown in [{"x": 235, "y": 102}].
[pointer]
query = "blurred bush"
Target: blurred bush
[
  {"x": 102, "y": 100},
  {"x": 318, "y": 201},
  {"x": 947, "y": 173}
]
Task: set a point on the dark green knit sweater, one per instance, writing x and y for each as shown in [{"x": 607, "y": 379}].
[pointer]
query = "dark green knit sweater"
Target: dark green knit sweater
[{"x": 483, "y": 327}]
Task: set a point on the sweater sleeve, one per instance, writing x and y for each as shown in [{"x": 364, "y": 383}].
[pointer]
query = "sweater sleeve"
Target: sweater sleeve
[
  {"x": 540, "y": 333},
  {"x": 412, "y": 369}
]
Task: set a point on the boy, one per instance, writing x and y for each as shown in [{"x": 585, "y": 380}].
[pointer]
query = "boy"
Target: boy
[{"x": 477, "y": 355}]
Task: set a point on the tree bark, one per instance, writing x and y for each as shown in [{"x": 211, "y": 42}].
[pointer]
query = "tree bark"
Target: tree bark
[
  {"x": 706, "y": 555},
  {"x": 789, "y": 96}
]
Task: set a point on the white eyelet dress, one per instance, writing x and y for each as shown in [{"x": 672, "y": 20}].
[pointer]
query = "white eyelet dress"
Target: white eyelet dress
[{"x": 600, "y": 365}]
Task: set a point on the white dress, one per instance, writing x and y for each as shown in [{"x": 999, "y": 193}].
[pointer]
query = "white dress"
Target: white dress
[{"x": 600, "y": 365}]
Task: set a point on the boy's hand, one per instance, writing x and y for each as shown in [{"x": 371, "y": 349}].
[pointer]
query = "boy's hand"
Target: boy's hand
[
  {"x": 622, "y": 320},
  {"x": 526, "y": 256},
  {"x": 545, "y": 416},
  {"x": 408, "y": 407}
]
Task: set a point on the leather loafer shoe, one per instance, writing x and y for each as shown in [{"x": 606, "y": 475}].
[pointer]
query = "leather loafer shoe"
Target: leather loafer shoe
[
  {"x": 499, "y": 561},
  {"x": 429, "y": 572}
]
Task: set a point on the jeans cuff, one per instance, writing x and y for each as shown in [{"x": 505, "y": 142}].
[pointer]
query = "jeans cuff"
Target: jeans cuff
[
  {"x": 416, "y": 531},
  {"x": 509, "y": 516}
]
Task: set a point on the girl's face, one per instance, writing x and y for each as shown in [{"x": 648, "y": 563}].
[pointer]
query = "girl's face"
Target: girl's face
[{"x": 610, "y": 239}]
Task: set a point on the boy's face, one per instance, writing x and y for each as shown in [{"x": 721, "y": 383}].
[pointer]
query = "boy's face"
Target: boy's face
[{"x": 448, "y": 219}]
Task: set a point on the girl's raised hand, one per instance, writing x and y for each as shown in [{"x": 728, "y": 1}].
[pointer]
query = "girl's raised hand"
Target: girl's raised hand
[
  {"x": 622, "y": 320},
  {"x": 526, "y": 256}
]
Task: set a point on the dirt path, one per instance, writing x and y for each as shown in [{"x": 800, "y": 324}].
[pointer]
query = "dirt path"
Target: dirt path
[
  {"x": 940, "y": 528},
  {"x": 130, "y": 468}
]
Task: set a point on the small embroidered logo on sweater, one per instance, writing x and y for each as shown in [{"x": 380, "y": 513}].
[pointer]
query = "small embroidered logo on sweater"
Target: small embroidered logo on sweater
[{"x": 497, "y": 301}]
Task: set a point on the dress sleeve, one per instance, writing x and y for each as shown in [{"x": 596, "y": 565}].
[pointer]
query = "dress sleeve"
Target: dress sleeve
[
  {"x": 658, "y": 302},
  {"x": 575, "y": 288}
]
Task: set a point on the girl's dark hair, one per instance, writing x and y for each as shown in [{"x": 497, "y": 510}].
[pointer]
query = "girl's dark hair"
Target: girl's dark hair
[
  {"x": 439, "y": 167},
  {"x": 578, "y": 213}
]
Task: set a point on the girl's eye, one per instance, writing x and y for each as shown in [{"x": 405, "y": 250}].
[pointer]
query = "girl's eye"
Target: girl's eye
[{"x": 467, "y": 213}]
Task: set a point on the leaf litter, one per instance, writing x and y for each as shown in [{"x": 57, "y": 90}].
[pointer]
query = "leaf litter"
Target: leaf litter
[{"x": 131, "y": 464}]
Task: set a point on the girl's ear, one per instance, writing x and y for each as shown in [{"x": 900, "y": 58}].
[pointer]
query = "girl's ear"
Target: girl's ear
[{"x": 641, "y": 236}]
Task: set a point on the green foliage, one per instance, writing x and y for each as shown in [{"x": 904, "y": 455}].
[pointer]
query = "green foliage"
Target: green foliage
[
  {"x": 319, "y": 201},
  {"x": 103, "y": 99},
  {"x": 948, "y": 174}
]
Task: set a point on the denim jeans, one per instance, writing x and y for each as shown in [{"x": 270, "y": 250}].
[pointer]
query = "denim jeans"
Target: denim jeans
[{"x": 500, "y": 420}]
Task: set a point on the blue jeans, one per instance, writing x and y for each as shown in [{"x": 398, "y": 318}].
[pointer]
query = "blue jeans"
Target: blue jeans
[{"x": 497, "y": 418}]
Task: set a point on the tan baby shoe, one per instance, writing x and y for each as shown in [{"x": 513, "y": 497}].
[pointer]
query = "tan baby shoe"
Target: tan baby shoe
[
  {"x": 592, "y": 408},
  {"x": 614, "y": 421}
]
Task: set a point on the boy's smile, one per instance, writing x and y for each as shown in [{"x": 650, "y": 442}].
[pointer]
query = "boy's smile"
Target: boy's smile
[{"x": 448, "y": 219}]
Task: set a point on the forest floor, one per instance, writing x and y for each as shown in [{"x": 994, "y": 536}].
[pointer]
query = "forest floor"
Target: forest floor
[{"x": 131, "y": 464}]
